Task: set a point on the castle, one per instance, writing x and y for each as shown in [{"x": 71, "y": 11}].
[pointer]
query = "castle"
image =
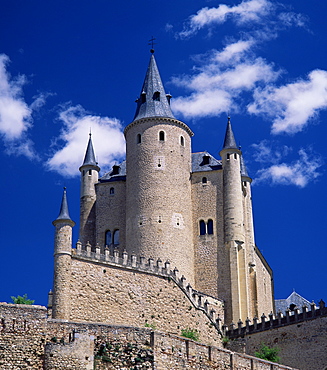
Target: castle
[
  {"x": 166, "y": 203},
  {"x": 166, "y": 246}
]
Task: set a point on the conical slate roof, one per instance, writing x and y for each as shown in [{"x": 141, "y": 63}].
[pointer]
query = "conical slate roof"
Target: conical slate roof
[
  {"x": 153, "y": 101},
  {"x": 244, "y": 171},
  {"x": 89, "y": 159},
  {"x": 64, "y": 213},
  {"x": 229, "y": 142}
]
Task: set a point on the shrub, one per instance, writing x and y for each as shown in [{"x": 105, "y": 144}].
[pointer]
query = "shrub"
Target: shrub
[
  {"x": 268, "y": 353},
  {"x": 22, "y": 300},
  {"x": 191, "y": 334}
]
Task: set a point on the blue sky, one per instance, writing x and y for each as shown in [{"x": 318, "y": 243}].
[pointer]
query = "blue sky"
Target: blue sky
[{"x": 68, "y": 66}]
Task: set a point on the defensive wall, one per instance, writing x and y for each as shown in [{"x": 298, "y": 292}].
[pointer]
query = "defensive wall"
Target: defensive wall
[
  {"x": 136, "y": 292},
  {"x": 30, "y": 340},
  {"x": 300, "y": 336}
]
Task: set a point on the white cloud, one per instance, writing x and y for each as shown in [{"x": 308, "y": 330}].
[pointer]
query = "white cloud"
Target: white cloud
[
  {"x": 107, "y": 137},
  {"x": 293, "y": 105},
  {"x": 220, "y": 82},
  {"x": 204, "y": 103},
  {"x": 15, "y": 114},
  {"x": 234, "y": 51},
  {"x": 216, "y": 85},
  {"x": 269, "y": 152},
  {"x": 248, "y": 11},
  {"x": 298, "y": 173}
]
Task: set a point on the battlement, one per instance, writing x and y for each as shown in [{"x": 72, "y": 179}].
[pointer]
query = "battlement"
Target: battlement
[
  {"x": 272, "y": 321},
  {"x": 199, "y": 300}
]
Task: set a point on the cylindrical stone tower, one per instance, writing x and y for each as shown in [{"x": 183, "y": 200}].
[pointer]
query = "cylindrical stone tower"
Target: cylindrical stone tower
[
  {"x": 89, "y": 177},
  {"x": 62, "y": 262},
  {"x": 158, "y": 200},
  {"x": 237, "y": 298}
]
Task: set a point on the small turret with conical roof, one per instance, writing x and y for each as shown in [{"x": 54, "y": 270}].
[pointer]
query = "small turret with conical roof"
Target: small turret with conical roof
[
  {"x": 62, "y": 261},
  {"x": 89, "y": 177},
  {"x": 64, "y": 213}
]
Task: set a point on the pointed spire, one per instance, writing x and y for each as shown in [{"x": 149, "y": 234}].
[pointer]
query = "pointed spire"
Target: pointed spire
[
  {"x": 229, "y": 142},
  {"x": 153, "y": 101},
  {"x": 89, "y": 159},
  {"x": 64, "y": 213},
  {"x": 244, "y": 172}
]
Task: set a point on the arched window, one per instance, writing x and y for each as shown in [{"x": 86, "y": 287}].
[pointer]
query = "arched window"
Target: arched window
[
  {"x": 116, "y": 237},
  {"x": 228, "y": 156},
  {"x": 204, "y": 180},
  {"x": 90, "y": 172},
  {"x": 210, "y": 227},
  {"x": 143, "y": 97},
  {"x": 161, "y": 136},
  {"x": 112, "y": 191},
  {"x": 182, "y": 141},
  {"x": 235, "y": 156},
  {"x": 108, "y": 239},
  {"x": 202, "y": 227},
  {"x": 156, "y": 96},
  {"x": 138, "y": 138}
]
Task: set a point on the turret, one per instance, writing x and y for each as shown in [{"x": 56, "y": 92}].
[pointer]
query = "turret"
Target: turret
[
  {"x": 233, "y": 215},
  {"x": 89, "y": 177},
  {"x": 62, "y": 262},
  {"x": 237, "y": 300},
  {"x": 158, "y": 157}
]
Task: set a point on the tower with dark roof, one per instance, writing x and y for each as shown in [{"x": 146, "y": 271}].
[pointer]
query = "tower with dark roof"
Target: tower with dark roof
[
  {"x": 89, "y": 177},
  {"x": 158, "y": 186},
  {"x": 62, "y": 261}
]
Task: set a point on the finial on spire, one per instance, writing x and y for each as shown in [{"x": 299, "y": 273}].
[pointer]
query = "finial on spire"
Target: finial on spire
[{"x": 152, "y": 43}]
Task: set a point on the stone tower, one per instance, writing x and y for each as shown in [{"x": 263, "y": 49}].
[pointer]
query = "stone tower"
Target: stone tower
[
  {"x": 234, "y": 235},
  {"x": 62, "y": 262},
  {"x": 89, "y": 177},
  {"x": 158, "y": 187}
]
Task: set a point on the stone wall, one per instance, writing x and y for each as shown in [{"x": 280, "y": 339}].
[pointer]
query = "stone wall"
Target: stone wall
[
  {"x": 207, "y": 204},
  {"x": 22, "y": 336},
  {"x": 28, "y": 340},
  {"x": 125, "y": 295},
  {"x": 111, "y": 212},
  {"x": 302, "y": 345},
  {"x": 171, "y": 352}
]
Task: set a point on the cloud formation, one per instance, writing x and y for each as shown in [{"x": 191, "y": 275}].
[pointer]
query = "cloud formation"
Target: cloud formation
[
  {"x": 248, "y": 11},
  {"x": 222, "y": 77},
  {"x": 220, "y": 81},
  {"x": 293, "y": 105},
  {"x": 15, "y": 114},
  {"x": 107, "y": 137},
  {"x": 299, "y": 172}
]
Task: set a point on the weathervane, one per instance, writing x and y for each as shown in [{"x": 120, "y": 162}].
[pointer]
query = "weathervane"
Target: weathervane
[{"x": 152, "y": 43}]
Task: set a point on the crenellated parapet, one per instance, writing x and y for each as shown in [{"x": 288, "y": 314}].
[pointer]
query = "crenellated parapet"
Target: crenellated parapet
[
  {"x": 272, "y": 321},
  {"x": 200, "y": 301}
]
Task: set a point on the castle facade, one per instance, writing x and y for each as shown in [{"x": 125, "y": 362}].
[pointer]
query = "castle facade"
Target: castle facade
[{"x": 170, "y": 205}]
